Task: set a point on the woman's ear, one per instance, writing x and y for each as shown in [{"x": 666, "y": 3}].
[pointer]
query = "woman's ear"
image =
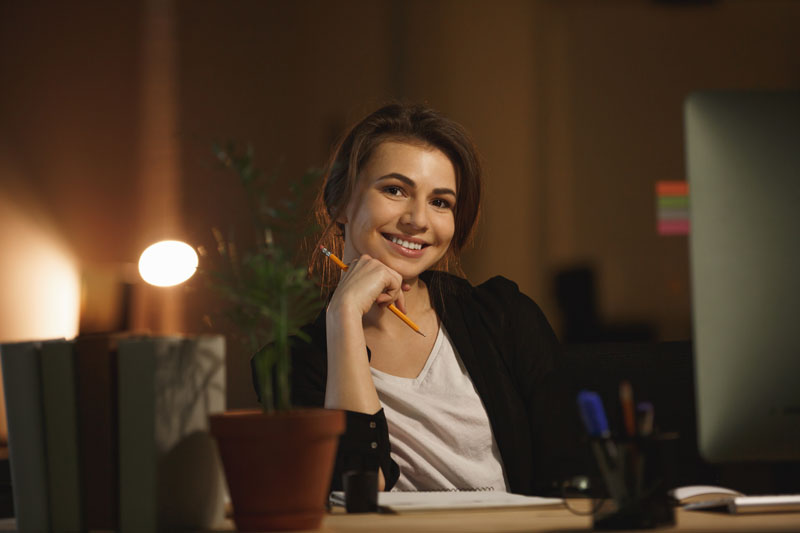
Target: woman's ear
[{"x": 341, "y": 220}]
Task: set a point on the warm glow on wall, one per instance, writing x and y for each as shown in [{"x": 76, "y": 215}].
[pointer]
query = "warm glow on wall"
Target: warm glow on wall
[
  {"x": 167, "y": 263},
  {"x": 39, "y": 279}
]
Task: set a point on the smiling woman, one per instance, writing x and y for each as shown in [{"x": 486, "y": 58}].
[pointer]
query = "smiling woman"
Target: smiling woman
[
  {"x": 410, "y": 129},
  {"x": 468, "y": 404}
]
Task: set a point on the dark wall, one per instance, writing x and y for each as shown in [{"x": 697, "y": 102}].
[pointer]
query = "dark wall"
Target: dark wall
[{"x": 69, "y": 117}]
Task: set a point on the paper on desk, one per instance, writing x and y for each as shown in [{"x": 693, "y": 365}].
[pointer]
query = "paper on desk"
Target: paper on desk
[
  {"x": 403, "y": 501},
  {"x": 785, "y": 503}
]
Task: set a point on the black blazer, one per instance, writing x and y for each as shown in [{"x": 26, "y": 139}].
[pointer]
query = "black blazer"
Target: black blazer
[{"x": 513, "y": 359}]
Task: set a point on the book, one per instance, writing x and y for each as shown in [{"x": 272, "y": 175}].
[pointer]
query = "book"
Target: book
[
  {"x": 96, "y": 404},
  {"x": 699, "y": 493},
  {"x": 26, "y": 442},
  {"x": 407, "y": 501},
  {"x": 170, "y": 475},
  {"x": 61, "y": 435}
]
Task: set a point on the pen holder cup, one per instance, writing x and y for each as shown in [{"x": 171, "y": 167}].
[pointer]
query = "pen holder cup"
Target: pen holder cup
[
  {"x": 635, "y": 472},
  {"x": 361, "y": 491}
]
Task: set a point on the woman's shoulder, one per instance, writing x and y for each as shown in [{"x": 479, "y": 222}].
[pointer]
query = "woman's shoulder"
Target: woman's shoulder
[
  {"x": 501, "y": 297},
  {"x": 500, "y": 287}
]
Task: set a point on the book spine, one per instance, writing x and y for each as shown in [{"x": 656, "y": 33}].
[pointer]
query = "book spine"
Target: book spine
[
  {"x": 26, "y": 439},
  {"x": 95, "y": 365},
  {"x": 137, "y": 450},
  {"x": 61, "y": 434}
]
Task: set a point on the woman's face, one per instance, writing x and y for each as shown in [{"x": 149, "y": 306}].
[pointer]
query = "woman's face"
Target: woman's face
[{"x": 401, "y": 211}]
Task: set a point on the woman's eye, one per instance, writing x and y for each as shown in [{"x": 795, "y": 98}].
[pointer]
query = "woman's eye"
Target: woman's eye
[
  {"x": 391, "y": 190},
  {"x": 441, "y": 203}
]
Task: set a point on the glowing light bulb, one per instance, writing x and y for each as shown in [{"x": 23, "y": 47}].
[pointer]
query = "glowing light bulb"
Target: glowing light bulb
[{"x": 167, "y": 263}]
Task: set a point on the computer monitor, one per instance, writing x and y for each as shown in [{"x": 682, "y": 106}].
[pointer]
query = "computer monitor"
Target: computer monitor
[{"x": 743, "y": 167}]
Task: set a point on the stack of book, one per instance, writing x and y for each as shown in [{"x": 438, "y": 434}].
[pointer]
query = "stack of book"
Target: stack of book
[{"x": 110, "y": 432}]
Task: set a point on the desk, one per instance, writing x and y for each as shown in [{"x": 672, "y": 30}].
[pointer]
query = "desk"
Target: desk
[
  {"x": 533, "y": 520},
  {"x": 528, "y": 520}
]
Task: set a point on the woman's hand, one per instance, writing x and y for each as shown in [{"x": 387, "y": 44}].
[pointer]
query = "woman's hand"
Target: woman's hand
[{"x": 367, "y": 282}]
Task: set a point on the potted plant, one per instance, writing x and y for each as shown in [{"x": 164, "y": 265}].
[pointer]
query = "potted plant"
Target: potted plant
[{"x": 277, "y": 460}]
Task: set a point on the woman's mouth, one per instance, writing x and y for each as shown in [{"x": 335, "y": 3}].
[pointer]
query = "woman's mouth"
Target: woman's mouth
[{"x": 408, "y": 245}]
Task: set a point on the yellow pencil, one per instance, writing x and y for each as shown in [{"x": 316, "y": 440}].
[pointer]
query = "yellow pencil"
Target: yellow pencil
[{"x": 392, "y": 307}]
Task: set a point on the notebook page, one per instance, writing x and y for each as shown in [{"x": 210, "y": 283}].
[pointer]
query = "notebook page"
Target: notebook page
[{"x": 452, "y": 500}]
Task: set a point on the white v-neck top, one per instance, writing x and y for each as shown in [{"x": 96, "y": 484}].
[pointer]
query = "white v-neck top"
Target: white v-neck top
[{"x": 438, "y": 428}]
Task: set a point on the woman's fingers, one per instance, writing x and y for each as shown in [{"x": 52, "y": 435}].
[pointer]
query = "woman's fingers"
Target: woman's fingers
[
  {"x": 400, "y": 304},
  {"x": 369, "y": 281},
  {"x": 400, "y": 301}
]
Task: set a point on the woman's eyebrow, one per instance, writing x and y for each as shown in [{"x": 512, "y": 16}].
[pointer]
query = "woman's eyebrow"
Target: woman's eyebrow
[{"x": 411, "y": 183}]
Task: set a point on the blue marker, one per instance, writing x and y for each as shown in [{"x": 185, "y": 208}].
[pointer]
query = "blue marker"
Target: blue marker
[{"x": 593, "y": 414}]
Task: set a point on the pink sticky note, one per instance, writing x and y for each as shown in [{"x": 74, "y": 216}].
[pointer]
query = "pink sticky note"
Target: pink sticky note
[{"x": 673, "y": 227}]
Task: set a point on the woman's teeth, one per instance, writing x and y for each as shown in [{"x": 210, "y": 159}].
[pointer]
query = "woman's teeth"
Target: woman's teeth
[{"x": 406, "y": 244}]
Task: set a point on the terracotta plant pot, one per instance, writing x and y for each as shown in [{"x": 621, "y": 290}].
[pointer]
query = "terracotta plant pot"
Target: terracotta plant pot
[{"x": 278, "y": 466}]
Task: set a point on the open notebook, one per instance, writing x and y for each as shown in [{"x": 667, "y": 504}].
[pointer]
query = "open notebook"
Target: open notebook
[{"x": 446, "y": 500}]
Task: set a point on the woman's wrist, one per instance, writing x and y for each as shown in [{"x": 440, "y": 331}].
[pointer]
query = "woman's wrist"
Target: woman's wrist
[
  {"x": 344, "y": 321},
  {"x": 338, "y": 310}
]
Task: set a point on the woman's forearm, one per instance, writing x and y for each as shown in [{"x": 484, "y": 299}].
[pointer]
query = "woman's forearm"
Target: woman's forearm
[{"x": 349, "y": 382}]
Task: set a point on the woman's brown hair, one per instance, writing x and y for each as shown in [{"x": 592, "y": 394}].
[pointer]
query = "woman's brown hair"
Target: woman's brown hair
[{"x": 414, "y": 124}]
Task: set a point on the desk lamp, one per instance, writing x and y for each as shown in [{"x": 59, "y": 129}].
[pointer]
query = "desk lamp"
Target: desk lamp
[{"x": 167, "y": 263}]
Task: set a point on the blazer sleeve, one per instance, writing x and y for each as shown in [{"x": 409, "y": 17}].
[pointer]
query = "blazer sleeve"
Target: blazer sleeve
[
  {"x": 365, "y": 442},
  {"x": 532, "y": 355}
]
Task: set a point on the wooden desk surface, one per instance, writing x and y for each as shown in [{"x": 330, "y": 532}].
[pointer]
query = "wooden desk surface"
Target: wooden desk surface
[
  {"x": 551, "y": 520},
  {"x": 529, "y": 520},
  {"x": 533, "y": 520}
]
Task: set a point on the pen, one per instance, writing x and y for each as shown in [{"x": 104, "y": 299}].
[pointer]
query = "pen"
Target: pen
[
  {"x": 633, "y": 460},
  {"x": 626, "y": 400},
  {"x": 645, "y": 413},
  {"x": 392, "y": 307},
  {"x": 644, "y": 425},
  {"x": 594, "y": 418}
]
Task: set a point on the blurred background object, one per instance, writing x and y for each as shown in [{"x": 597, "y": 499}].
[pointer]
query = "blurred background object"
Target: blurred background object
[{"x": 108, "y": 113}]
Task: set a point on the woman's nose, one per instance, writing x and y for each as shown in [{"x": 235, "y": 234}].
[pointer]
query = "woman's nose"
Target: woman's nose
[{"x": 416, "y": 215}]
